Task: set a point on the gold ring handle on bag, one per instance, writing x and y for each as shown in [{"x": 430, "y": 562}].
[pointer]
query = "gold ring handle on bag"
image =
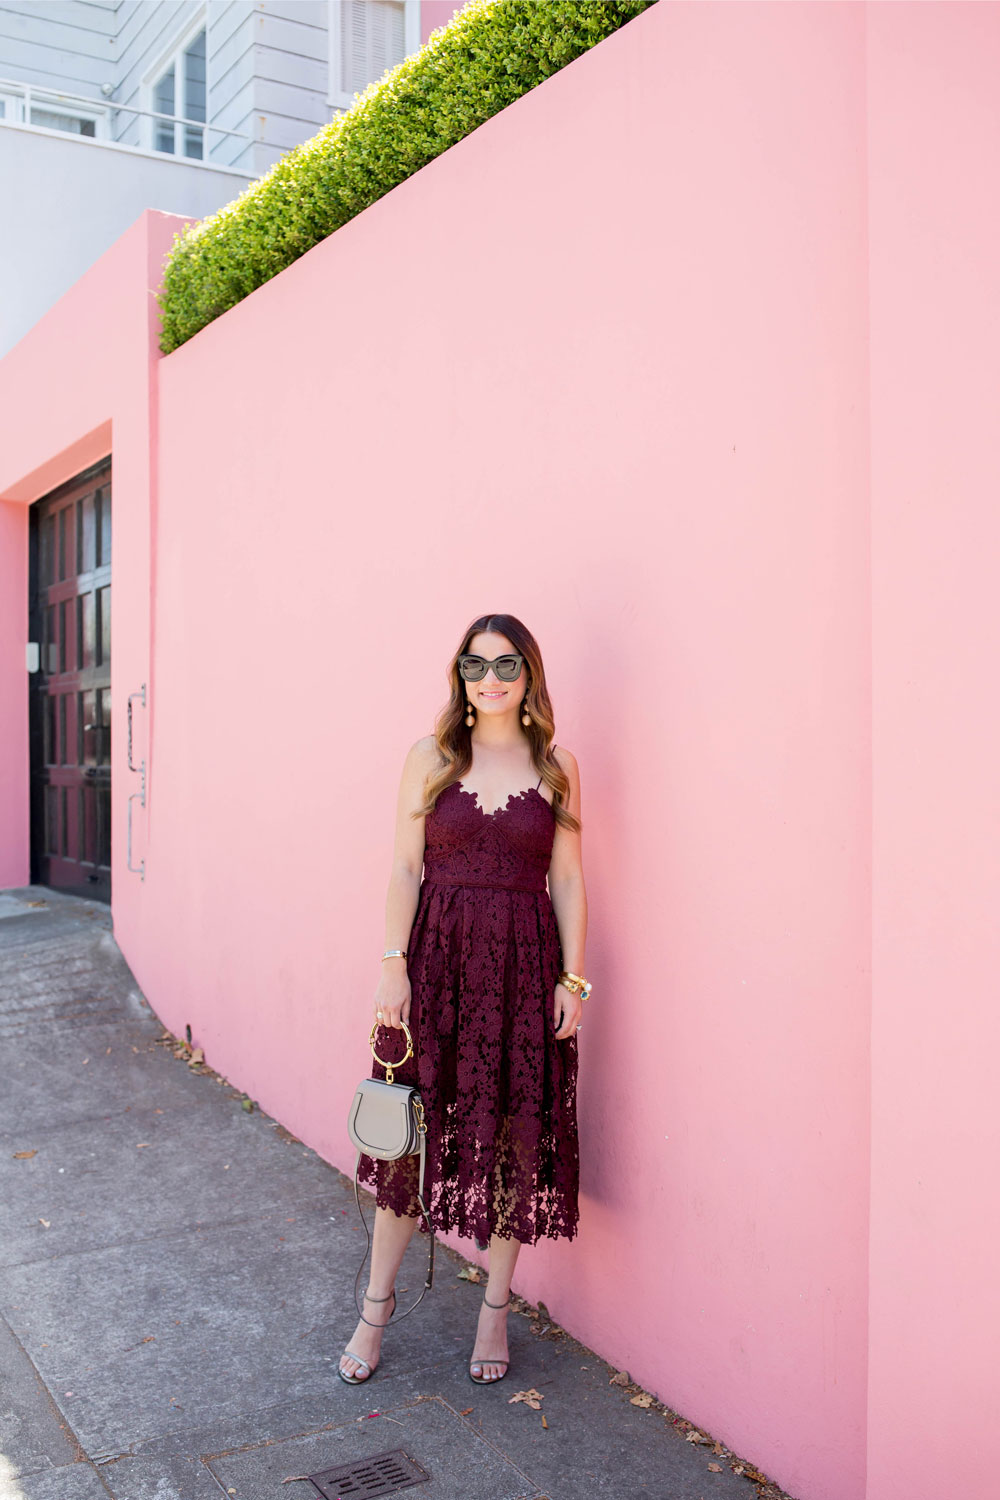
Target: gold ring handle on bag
[{"x": 388, "y": 1066}]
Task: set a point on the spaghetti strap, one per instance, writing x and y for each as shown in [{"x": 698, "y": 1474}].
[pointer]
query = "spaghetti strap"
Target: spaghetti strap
[{"x": 539, "y": 781}]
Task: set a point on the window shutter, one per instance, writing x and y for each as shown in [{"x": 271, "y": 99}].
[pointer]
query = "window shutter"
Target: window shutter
[{"x": 372, "y": 39}]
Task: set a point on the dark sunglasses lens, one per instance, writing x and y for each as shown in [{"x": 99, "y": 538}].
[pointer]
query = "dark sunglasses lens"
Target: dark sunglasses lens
[
  {"x": 508, "y": 668},
  {"x": 472, "y": 668}
]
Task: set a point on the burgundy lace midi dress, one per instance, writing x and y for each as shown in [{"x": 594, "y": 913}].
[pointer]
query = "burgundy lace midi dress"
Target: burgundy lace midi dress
[{"x": 499, "y": 1090}]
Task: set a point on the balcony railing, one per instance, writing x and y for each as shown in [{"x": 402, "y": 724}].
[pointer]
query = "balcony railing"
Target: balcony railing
[{"x": 97, "y": 120}]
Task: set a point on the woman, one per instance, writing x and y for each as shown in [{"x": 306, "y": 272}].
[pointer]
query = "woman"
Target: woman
[{"x": 486, "y": 967}]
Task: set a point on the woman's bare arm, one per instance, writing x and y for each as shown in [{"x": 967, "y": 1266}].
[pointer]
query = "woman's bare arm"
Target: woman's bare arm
[
  {"x": 392, "y": 996},
  {"x": 569, "y": 899}
]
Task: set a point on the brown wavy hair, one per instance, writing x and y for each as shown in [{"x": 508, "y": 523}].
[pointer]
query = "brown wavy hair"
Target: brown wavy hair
[{"x": 454, "y": 736}]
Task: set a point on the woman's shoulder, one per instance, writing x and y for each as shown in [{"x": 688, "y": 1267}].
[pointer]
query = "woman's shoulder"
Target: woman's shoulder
[
  {"x": 424, "y": 759},
  {"x": 564, "y": 759},
  {"x": 426, "y": 754}
]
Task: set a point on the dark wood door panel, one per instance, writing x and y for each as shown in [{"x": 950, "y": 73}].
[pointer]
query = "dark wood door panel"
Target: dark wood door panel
[{"x": 70, "y": 695}]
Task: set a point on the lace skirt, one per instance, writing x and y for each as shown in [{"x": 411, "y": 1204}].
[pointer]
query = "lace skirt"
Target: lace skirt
[{"x": 499, "y": 1091}]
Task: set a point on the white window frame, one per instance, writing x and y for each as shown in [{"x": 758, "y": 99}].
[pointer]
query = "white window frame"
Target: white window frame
[
  {"x": 16, "y": 113},
  {"x": 173, "y": 56},
  {"x": 336, "y": 97}
]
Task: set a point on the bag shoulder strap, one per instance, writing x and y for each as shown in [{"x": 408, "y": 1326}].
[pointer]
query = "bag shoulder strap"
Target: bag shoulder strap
[{"x": 368, "y": 1239}]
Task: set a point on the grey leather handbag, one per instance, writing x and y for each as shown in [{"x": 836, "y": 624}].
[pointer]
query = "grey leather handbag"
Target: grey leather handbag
[{"x": 386, "y": 1120}]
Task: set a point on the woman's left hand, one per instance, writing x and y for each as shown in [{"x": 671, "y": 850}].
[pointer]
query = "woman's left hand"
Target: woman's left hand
[{"x": 568, "y": 1010}]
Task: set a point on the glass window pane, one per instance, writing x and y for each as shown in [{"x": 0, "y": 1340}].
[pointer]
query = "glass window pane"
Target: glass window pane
[
  {"x": 52, "y": 820},
  {"x": 87, "y": 729},
  {"x": 194, "y": 79},
  {"x": 104, "y": 623},
  {"x": 194, "y": 96},
  {"x": 55, "y": 120},
  {"x": 163, "y": 101},
  {"x": 51, "y": 641},
  {"x": 88, "y": 630},
  {"x": 102, "y": 508}
]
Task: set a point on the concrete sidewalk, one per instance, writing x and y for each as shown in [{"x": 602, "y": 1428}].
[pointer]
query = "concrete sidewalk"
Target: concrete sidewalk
[{"x": 176, "y": 1281}]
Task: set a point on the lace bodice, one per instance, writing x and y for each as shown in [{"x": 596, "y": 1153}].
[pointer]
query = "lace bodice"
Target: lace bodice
[{"x": 509, "y": 849}]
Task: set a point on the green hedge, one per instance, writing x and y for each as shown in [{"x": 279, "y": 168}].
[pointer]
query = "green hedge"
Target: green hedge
[{"x": 488, "y": 55}]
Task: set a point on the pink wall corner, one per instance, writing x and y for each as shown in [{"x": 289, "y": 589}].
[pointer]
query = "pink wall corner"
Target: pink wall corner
[
  {"x": 934, "y": 143},
  {"x": 80, "y": 382},
  {"x": 14, "y": 845}
]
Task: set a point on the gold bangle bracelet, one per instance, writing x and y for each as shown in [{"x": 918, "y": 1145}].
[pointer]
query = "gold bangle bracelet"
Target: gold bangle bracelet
[{"x": 394, "y": 953}]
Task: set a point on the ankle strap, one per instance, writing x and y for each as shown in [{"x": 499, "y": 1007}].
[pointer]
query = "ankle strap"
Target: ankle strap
[
  {"x": 367, "y": 1293},
  {"x": 378, "y": 1299},
  {"x": 496, "y": 1304}
]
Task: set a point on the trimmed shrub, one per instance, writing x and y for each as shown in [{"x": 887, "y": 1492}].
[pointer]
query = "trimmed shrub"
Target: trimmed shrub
[{"x": 488, "y": 55}]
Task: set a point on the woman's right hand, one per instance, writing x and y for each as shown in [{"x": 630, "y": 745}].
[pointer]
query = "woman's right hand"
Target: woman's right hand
[{"x": 392, "y": 995}]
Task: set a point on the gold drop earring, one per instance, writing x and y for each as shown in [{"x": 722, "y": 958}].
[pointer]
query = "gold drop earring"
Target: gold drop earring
[
  {"x": 470, "y": 717},
  {"x": 526, "y": 716}
]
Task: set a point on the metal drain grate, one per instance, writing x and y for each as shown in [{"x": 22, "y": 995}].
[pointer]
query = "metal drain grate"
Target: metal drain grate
[{"x": 382, "y": 1474}]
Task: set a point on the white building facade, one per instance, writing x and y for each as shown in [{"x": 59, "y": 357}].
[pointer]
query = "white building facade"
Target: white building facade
[{"x": 110, "y": 107}]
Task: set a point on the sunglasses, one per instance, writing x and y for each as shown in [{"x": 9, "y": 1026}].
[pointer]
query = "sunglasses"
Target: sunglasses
[{"x": 474, "y": 668}]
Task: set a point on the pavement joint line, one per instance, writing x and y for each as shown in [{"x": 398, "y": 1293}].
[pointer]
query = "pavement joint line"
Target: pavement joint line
[
  {"x": 140, "y": 1112},
  {"x": 39, "y": 1023},
  {"x": 151, "y": 1447},
  {"x": 57, "y": 1412},
  {"x": 309, "y": 1431},
  {"x": 149, "y": 1239},
  {"x": 478, "y": 1432}
]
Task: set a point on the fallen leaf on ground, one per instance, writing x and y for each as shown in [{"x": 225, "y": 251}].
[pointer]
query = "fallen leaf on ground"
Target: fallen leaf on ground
[
  {"x": 469, "y": 1273},
  {"x": 622, "y": 1378},
  {"x": 197, "y": 1056},
  {"x": 531, "y": 1398},
  {"x": 46, "y": 1222},
  {"x": 715, "y": 1468},
  {"x": 695, "y": 1437},
  {"x": 23, "y": 1155},
  {"x": 643, "y": 1400},
  {"x": 544, "y": 1423}
]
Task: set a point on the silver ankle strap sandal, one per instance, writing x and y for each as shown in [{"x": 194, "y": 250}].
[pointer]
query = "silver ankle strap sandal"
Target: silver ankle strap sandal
[{"x": 481, "y": 1379}]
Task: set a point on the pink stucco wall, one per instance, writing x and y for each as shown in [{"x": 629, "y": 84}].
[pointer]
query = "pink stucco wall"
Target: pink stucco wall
[
  {"x": 686, "y": 362},
  {"x": 934, "y": 231},
  {"x": 435, "y": 13}
]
